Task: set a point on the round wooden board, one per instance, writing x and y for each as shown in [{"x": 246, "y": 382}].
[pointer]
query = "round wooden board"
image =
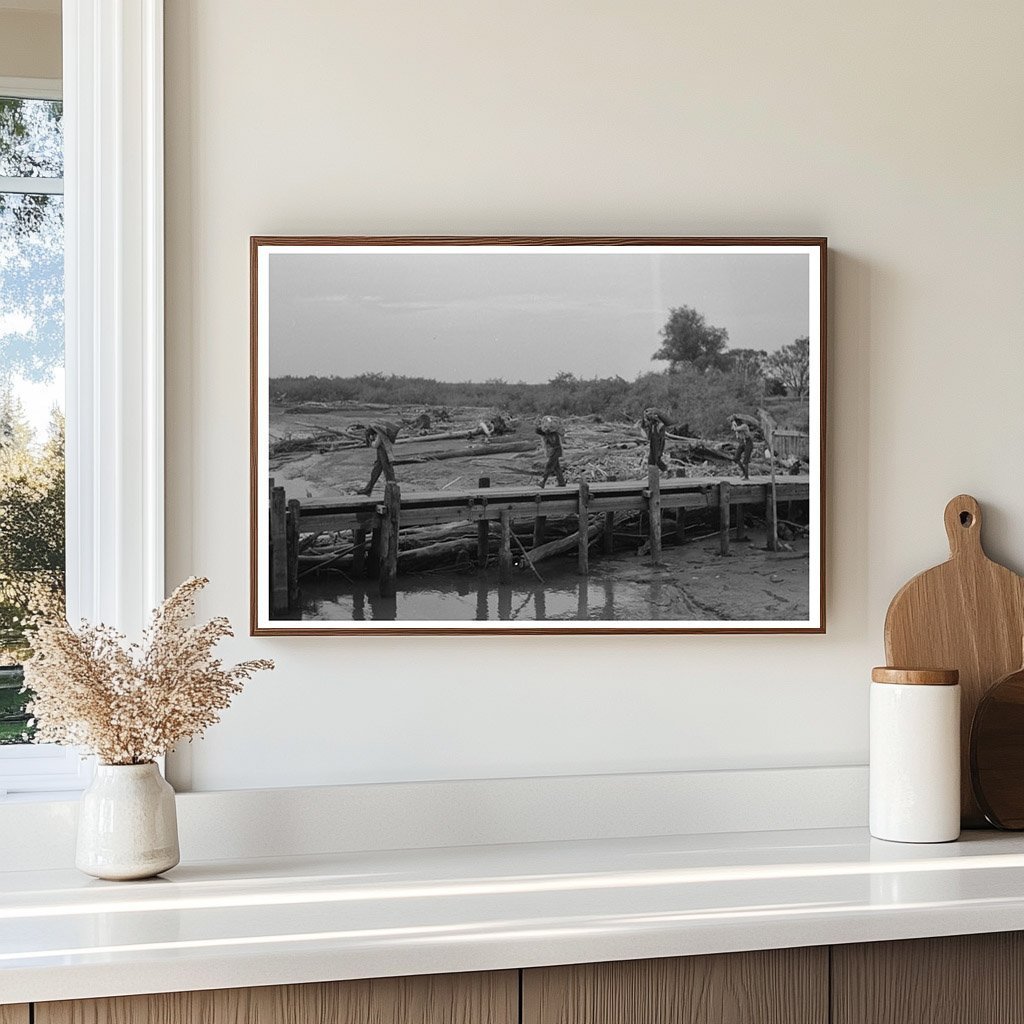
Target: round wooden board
[{"x": 997, "y": 752}]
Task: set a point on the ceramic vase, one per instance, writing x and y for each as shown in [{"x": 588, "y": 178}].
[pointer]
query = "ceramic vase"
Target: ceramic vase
[{"x": 127, "y": 825}]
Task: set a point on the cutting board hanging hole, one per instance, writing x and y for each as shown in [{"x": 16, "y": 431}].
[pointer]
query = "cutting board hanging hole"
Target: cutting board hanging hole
[{"x": 963, "y": 526}]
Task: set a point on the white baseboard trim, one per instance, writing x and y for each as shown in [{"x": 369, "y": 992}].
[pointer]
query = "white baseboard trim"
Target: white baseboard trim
[{"x": 255, "y": 823}]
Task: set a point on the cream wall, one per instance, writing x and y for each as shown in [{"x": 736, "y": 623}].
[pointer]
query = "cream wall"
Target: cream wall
[
  {"x": 29, "y": 43},
  {"x": 894, "y": 129}
]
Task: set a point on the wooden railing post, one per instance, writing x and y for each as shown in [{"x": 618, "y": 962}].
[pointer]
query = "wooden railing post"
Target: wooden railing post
[
  {"x": 293, "y": 552},
  {"x": 505, "y": 549},
  {"x": 654, "y": 510},
  {"x": 278, "y": 551},
  {"x": 723, "y": 517},
  {"x": 583, "y": 550},
  {"x": 389, "y": 540}
]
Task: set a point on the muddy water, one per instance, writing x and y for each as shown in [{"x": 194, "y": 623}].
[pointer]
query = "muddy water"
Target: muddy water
[
  {"x": 478, "y": 598},
  {"x": 694, "y": 583}
]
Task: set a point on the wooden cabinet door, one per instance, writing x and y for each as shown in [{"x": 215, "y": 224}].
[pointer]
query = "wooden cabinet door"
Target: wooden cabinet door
[
  {"x": 779, "y": 986},
  {"x": 962, "y": 979},
  {"x": 14, "y": 1014},
  {"x": 491, "y": 998}
]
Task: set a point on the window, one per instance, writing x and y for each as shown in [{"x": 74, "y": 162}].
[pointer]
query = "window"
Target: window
[
  {"x": 31, "y": 408},
  {"x": 32, "y": 529}
]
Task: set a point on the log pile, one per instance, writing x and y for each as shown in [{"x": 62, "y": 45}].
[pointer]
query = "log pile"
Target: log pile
[
  {"x": 483, "y": 448},
  {"x": 323, "y": 440},
  {"x": 452, "y": 544}
]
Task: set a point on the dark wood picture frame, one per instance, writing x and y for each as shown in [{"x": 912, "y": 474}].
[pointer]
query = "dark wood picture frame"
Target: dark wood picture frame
[{"x": 259, "y": 626}]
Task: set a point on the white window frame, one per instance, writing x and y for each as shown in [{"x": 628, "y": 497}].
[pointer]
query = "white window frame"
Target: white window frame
[{"x": 114, "y": 329}]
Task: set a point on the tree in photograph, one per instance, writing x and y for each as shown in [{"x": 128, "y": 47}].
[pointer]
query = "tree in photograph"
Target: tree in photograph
[
  {"x": 790, "y": 367},
  {"x": 750, "y": 364},
  {"x": 687, "y": 337},
  {"x": 564, "y": 381}
]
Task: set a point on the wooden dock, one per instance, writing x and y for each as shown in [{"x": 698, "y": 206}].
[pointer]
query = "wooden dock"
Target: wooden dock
[{"x": 381, "y": 518}]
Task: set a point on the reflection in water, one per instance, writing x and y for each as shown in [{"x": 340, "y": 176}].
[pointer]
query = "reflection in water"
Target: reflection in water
[
  {"x": 693, "y": 583},
  {"x": 505, "y": 603},
  {"x": 463, "y": 597}
]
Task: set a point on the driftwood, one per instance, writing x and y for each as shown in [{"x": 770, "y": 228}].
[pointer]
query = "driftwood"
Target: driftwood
[
  {"x": 430, "y": 552},
  {"x": 429, "y": 534},
  {"x": 462, "y": 453},
  {"x": 314, "y": 443},
  {"x": 450, "y": 435},
  {"x": 408, "y": 558},
  {"x": 702, "y": 448},
  {"x": 556, "y": 547}
]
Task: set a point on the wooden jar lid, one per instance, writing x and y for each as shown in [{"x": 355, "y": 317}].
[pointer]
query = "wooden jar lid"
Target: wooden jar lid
[{"x": 916, "y": 676}]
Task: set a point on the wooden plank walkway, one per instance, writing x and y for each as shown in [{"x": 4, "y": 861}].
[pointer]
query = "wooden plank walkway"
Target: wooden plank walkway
[{"x": 382, "y": 517}]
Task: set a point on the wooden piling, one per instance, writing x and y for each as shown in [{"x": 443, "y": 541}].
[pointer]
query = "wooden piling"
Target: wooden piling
[
  {"x": 540, "y": 530},
  {"x": 505, "y": 548},
  {"x": 583, "y": 547},
  {"x": 292, "y": 546},
  {"x": 609, "y": 533},
  {"x": 768, "y": 426},
  {"x": 772, "y": 515},
  {"x": 373, "y": 560},
  {"x": 359, "y": 552},
  {"x": 540, "y": 524},
  {"x": 741, "y": 522},
  {"x": 389, "y": 539},
  {"x": 483, "y": 537},
  {"x": 654, "y": 508},
  {"x": 278, "y": 551},
  {"x": 723, "y": 517}
]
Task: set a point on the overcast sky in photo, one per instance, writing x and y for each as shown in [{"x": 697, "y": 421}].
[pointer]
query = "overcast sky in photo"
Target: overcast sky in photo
[{"x": 518, "y": 316}]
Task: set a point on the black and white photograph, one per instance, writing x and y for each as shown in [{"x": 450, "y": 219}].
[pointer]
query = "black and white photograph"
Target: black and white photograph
[{"x": 533, "y": 435}]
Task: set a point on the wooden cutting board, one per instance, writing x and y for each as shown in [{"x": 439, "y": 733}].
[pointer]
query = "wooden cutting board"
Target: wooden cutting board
[{"x": 967, "y": 614}]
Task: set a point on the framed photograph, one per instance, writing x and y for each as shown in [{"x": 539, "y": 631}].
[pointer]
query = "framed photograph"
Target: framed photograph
[{"x": 537, "y": 435}]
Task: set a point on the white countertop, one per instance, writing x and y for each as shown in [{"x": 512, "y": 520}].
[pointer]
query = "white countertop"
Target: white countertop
[{"x": 225, "y": 924}]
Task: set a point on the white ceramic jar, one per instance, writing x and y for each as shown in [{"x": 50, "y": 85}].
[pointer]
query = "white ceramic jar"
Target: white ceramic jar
[
  {"x": 915, "y": 755},
  {"x": 127, "y": 823}
]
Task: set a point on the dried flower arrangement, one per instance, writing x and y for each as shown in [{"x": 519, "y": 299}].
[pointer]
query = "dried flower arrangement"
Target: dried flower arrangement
[{"x": 130, "y": 703}]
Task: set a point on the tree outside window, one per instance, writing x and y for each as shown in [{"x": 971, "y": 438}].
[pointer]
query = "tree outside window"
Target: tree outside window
[{"x": 31, "y": 385}]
